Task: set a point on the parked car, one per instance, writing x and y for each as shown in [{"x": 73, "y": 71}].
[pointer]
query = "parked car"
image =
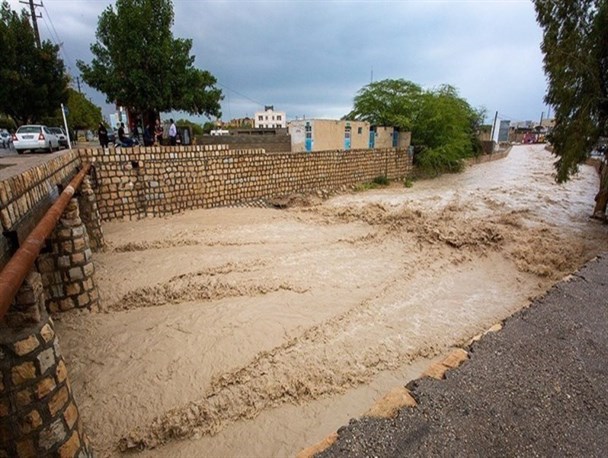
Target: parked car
[
  {"x": 61, "y": 136},
  {"x": 35, "y": 137},
  {"x": 5, "y": 138}
]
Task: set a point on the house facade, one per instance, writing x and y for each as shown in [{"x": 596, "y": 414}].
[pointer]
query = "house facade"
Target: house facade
[
  {"x": 326, "y": 134},
  {"x": 269, "y": 119}
]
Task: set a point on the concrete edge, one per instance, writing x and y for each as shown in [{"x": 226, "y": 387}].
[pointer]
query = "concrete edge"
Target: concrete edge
[{"x": 389, "y": 405}]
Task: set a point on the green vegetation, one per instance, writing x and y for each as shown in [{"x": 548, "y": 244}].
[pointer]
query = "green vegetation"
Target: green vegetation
[
  {"x": 575, "y": 44},
  {"x": 444, "y": 126},
  {"x": 139, "y": 65},
  {"x": 82, "y": 113},
  {"x": 408, "y": 182},
  {"x": 33, "y": 82},
  {"x": 195, "y": 128},
  {"x": 381, "y": 180},
  {"x": 377, "y": 182}
]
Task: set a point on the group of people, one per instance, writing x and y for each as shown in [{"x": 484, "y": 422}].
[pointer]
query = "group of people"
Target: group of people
[{"x": 151, "y": 136}]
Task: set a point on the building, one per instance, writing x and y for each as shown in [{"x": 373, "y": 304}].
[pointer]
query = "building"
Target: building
[
  {"x": 270, "y": 119},
  {"x": 325, "y": 134}
]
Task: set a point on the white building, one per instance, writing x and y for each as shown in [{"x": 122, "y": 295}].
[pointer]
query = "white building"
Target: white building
[{"x": 269, "y": 119}]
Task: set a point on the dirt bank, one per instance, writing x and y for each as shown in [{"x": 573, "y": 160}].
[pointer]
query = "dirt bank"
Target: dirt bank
[{"x": 258, "y": 331}]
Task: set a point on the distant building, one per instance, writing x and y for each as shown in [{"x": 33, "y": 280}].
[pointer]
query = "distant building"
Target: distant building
[{"x": 269, "y": 119}]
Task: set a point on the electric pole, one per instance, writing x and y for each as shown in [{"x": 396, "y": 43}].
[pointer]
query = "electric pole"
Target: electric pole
[
  {"x": 34, "y": 17},
  {"x": 78, "y": 84}
]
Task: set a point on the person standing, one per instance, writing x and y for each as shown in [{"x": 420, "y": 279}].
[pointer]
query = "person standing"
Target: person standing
[
  {"x": 102, "y": 134},
  {"x": 158, "y": 133},
  {"x": 172, "y": 133}
]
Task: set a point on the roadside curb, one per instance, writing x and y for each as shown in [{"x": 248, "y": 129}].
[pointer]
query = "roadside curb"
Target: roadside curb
[{"x": 389, "y": 405}]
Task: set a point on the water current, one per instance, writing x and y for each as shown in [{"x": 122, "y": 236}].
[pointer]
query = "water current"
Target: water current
[{"x": 257, "y": 332}]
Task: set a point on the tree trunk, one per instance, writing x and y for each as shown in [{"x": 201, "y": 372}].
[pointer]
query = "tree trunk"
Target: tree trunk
[{"x": 601, "y": 199}]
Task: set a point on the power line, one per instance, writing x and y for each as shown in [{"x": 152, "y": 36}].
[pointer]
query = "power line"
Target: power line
[
  {"x": 242, "y": 95},
  {"x": 58, "y": 42}
]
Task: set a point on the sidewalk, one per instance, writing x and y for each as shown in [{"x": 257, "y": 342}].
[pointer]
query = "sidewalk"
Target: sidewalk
[{"x": 537, "y": 387}]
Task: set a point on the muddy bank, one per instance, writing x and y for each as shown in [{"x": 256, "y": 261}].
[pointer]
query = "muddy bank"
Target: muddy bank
[{"x": 278, "y": 324}]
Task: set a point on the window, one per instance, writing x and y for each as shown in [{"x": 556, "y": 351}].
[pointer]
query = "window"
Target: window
[
  {"x": 260, "y": 118},
  {"x": 360, "y": 130},
  {"x": 279, "y": 118},
  {"x": 266, "y": 118}
]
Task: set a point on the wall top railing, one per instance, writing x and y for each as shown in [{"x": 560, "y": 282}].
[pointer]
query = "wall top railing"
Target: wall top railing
[{"x": 21, "y": 262}]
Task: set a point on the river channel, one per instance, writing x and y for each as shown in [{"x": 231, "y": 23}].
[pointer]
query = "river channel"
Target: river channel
[{"x": 257, "y": 331}]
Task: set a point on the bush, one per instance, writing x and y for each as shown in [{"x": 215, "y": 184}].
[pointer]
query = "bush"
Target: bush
[{"x": 381, "y": 180}]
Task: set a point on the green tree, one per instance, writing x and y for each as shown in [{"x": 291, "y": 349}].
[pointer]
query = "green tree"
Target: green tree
[
  {"x": 139, "y": 65},
  {"x": 444, "y": 126},
  {"x": 196, "y": 129},
  {"x": 33, "y": 82},
  {"x": 82, "y": 113},
  {"x": 388, "y": 103},
  {"x": 575, "y": 45}
]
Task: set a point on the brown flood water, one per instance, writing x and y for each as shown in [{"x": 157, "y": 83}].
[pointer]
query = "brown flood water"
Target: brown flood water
[{"x": 257, "y": 332}]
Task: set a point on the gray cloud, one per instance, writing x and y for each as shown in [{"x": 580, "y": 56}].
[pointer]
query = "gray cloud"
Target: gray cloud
[{"x": 311, "y": 57}]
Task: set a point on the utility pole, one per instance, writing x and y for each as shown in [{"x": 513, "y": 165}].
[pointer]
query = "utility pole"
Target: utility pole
[
  {"x": 494, "y": 126},
  {"x": 78, "y": 84},
  {"x": 34, "y": 16}
]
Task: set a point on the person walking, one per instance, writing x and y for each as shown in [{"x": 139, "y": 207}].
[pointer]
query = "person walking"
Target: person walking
[
  {"x": 102, "y": 134},
  {"x": 172, "y": 133}
]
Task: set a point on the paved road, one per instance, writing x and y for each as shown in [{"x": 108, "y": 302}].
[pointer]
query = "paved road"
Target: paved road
[
  {"x": 538, "y": 387},
  {"x": 12, "y": 163}
]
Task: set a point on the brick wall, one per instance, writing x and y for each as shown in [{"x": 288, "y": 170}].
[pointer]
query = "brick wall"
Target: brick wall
[{"x": 137, "y": 182}]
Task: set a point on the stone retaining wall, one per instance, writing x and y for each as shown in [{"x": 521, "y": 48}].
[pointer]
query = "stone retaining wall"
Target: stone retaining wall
[
  {"x": 488, "y": 157},
  {"x": 156, "y": 181},
  {"x": 38, "y": 413},
  {"x": 24, "y": 198}
]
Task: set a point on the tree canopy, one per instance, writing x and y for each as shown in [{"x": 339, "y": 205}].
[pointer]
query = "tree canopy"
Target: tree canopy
[
  {"x": 139, "y": 65},
  {"x": 33, "y": 82},
  {"x": 443, "y": 125},
  {"x": 575, "y": 45},
  {"x": 81, "y": 113}
]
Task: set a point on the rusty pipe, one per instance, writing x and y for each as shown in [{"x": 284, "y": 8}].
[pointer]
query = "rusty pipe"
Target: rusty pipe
[{"x": 21, "y": 262}]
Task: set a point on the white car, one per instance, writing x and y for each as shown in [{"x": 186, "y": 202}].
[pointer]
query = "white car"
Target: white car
[
  {"x": 35, "y": 137},
  {"x": 61, "y": 136}
]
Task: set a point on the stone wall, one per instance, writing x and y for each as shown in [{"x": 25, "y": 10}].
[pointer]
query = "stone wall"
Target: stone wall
[
  {"x": 481, "y": 159},
  {"x": 38, "y": 413},
  {"x": 25, "y": 197},
  {"x": 156, "y": 181}
]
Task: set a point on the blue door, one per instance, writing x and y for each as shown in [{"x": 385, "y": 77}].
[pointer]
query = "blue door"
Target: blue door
[
  {"x": 372, "y": 139},
  {"x": 395, "y": 138},
  {"x": 347, "y": 138}
]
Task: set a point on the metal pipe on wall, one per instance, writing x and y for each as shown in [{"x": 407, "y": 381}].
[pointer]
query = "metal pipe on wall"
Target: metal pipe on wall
[{"x": 21, "y": 262}]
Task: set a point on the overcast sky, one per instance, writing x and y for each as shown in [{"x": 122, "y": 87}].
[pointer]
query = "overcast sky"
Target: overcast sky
[{"x": 310, "y": 57}]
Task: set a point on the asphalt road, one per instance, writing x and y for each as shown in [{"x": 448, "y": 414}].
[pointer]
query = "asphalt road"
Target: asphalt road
[
  {"x": 12, "y": 163},
  {"x": 537, "y": 388}
]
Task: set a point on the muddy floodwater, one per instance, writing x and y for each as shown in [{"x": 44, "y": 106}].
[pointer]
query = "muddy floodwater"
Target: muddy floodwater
[{"x": 256, "y": 331}]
